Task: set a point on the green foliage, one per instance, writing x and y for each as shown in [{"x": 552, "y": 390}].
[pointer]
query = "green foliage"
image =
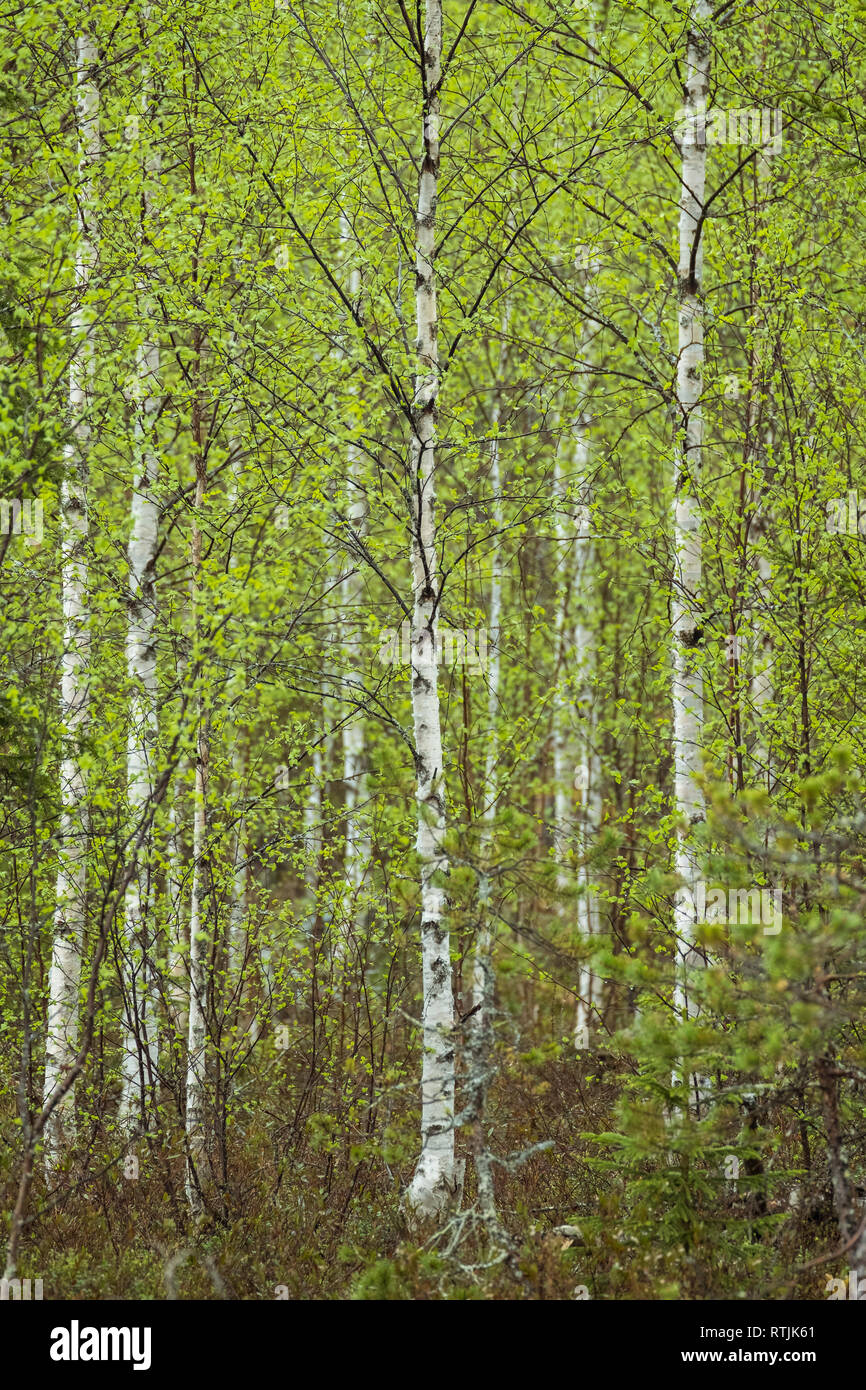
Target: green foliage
[{"x": 253, "y": 217}]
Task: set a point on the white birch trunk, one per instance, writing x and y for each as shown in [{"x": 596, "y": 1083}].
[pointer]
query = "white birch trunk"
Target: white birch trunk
[
  {"x": 357, "y": 843},
  {"x": 178, "y": 964},
  {"x": 688, "y": 696},
  {"x": 573, "y": 762},
  {"x": 761, "y": 676},
  {"x": 433, "y": 1180},
  {"x": 586, "y": 771},
  {"x": 140, "y": 1052},
  {"x": 482, "y": 982},
  {"x": 357, "y": 847},
  {"x": 313, "y": 837},
  {"x": 562, "y": 740},
  {"x": 589, "y": 988},
  {"x": 198, "y": 935},
  {"x": 761, "y": 682},
  {"x": 69, "y": 919},
  {"x": 198, "y": 978},
  {"x": 141, "y": 1031},
  {"x": 238, "y": 911},
  {"x": 479, "y": 1058}
]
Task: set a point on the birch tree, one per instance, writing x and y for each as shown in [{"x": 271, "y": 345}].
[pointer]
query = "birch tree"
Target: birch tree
[
  {"x": 357, "y": 844},
  {"x": 586, "y": 772},
  {"x": 70, "y": 912},
  {"x": 686, "y": 622},
  {"x": 434, "y": 1174},
  {"x": 141, "y": 1044},
  {"x": 200, "y": 906},
  {"x": 199, "y": 902},
  {"x": 480, "y": 1055},
  {"x": 759, "y": 436}
]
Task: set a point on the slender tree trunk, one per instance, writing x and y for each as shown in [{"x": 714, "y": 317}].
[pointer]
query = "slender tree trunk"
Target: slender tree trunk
[
  {"x": 357, "y": 841},
  {"x": 574, "y": 739},
  {"x": 238, "y": 911},
  {"x": 69, "y": 919},
  {"x": 177, "y": 921},
  {"x": 761, "y": 679},
  {"x": 357, "y": 844},
  {"x": 688, "y": 694},
  {"x": 585, "y": 772},
  {"x": 563, "y": 750},
  {"x": 573, "y": 763},
  {"x": 200, "y": 927},
  {"x": 141, "y": 1032},
  {"x": 480, "y": 1041},
  {"x": 199, "y": 906},
  {"x": 587, "y": 775},
  {"x": 433, "y": 1180},
  {"x": 482, "y": 965},
  {"x": 313, "y": 808},
  {"x": 758, "y": 434}
]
